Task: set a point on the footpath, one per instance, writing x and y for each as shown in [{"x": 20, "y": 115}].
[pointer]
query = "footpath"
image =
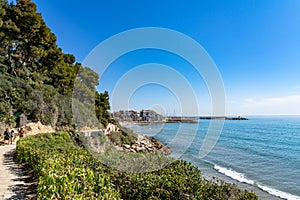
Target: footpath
[{"x": 12, "y": 177}]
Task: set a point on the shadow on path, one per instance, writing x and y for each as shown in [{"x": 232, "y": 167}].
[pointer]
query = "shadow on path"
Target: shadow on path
[{"x": 23, "y": 184}]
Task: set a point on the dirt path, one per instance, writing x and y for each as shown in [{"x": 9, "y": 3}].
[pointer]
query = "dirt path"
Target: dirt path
[{"x": 14, "y": 182}]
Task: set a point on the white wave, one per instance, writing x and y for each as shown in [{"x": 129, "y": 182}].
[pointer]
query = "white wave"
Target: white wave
[
  {"x": 233, "y": 174},
  {"x": 241, "y": 178},
  {"x": 278, "y": 193}
]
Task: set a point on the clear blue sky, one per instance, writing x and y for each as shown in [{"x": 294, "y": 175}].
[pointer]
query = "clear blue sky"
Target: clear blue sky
[{"x": 254, "y": 43}]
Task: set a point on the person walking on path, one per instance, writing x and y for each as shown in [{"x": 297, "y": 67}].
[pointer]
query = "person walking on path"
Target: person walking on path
[
  {"x": 6, "y": 136},
  {"x": 21, "y": 132},
  {"x": 11, "y": 135}
]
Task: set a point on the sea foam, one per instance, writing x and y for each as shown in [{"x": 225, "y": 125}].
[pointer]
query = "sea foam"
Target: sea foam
[{"x": 242, "y": 178}]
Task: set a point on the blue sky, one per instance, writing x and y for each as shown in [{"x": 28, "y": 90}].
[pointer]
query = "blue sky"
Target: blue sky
[{"x": 255, "y": 45}]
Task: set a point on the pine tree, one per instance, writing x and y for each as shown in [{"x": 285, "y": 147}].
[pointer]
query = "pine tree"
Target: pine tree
[{"x": 37, "y": 79}]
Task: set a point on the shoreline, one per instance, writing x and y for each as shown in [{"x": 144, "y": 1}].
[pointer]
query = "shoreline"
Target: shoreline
[
  {"x": 211, "y": 173},
  {"x": 257, "y": 187},
  {"x": 261, "y": 194}
]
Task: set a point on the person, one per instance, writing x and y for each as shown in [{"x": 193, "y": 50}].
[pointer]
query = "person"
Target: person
[
  {"x": 11, "y": 135},
  {"x": 6, "y": 135},
  {"x": 22, "y": 132}
]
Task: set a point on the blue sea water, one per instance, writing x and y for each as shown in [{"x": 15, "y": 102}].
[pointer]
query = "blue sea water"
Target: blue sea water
[{"x": 261, "y": 151}]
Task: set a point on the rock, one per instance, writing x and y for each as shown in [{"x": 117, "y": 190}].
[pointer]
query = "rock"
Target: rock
[
  {"x": 132, "y": 150},
  {"x": 23, "y": 120},
  {"x": 166, "y": 150},
  {"x": 35, "y": 128},
  {"x": 148, "y": 148},
  {"x": 120, "y": 148},
  {"x": 145, "y": 144},
  {"x": 139, "y": 149},
  {"x": 156, "y": 143}
]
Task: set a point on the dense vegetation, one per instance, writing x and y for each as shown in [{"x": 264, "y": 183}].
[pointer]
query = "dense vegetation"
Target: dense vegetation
[
  {"x": 36, "y": 78},
  {"x": 67, "y": 171}
]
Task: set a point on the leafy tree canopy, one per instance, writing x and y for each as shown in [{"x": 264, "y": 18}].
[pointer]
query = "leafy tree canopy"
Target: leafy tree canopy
[{"x": 37, "y": 78}]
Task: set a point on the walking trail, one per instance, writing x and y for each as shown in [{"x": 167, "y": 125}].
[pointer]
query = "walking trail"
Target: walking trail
[{"x": 12, "y": 177}]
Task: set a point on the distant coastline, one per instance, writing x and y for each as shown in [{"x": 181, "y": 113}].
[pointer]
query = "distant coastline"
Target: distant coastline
[
  {"x": 150, "y": 116},
  {"x": 223, "y": 118}
]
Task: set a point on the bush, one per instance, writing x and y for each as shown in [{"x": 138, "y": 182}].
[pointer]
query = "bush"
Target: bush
[
  {"x": 67, "y": 171},
  {"x": 64, "y": 170},
  {"x": 124, "y": 136},
  {"x": 178, "y": 180}
]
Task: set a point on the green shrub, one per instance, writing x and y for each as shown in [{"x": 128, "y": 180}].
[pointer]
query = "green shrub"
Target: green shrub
[
  {"x": 67, "y": 171},
  {"x": 178, "y": 180},
  {"x": 132, "y": 163},
  {"x": 64, "y": 169},
  {"x": 124, "y": 136}
]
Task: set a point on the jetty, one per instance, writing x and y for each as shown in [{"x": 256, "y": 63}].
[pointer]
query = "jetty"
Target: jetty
[
  {"x": 222, "y": 118},
  {"x": 181, "y": 119}
]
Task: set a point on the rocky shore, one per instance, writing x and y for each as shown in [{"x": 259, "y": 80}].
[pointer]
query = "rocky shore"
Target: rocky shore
[{"x": 145, "y": 144}]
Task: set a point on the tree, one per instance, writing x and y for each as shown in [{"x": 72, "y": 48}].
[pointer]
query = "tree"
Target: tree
[
  {"x": 26, "y": 38},
  {"x": 102, "y": 107},
  {"x": 37, "y": 79}
]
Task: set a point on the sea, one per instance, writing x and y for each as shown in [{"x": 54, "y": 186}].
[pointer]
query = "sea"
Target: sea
[{"x": 261, "y": 154}]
